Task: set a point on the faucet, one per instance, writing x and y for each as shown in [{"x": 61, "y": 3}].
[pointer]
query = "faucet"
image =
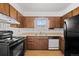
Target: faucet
[{"x": 40, "y": 32}]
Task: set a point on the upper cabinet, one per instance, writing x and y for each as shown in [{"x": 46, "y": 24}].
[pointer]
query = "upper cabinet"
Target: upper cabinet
[
  {"x": 19, "y": 19},
  {"x": 4, "y": 8},
  {"x": 18, "y": 16},
  {"x": 76, "y": 11},
  {"x": 54, "y": 22},
  {"x": 62, "y": 22},
  {"x": 28, "y": 22},
  {"x": 7, "y": 9},
  {"x": 13, "y": 12},
  {"x": 68, "y": 15},
  {"x": 71, "y": 13}
]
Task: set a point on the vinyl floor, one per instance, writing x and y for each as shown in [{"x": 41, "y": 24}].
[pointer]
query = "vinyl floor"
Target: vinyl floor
[{"x": 43, "y": 53}]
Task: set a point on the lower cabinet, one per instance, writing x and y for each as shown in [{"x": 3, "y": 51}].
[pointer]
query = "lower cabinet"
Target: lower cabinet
[
  {"x": 62, "y": 44},
  {"x": 37, "y": 43}
]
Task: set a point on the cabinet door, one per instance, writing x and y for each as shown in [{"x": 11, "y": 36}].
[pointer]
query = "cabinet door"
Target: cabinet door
[
  {"x": 54, "y": 22},
  {"x": 19, "y": 15},
  {"x": 44, "y": 43},
  {"x": 51, "y": 23},
  {"x": 1, "y": 8},
  {"x": 37, "y": 43},
  {"x": 76, "y": 11},
  {"x": 62, "y": 22},
  {"x": 68, "y": 15},
  {"x": 4, "y": 8},
  {"x": 29, "y": 22},
  {"x": 22, "y": 22},
  {"x": 57, "y": 22},
  {"x": 13, "y": 12},
  {"x": 29, "y": 42},
  {"x": 19, "y": 19},
  {"x": 62, "y": 44},
  {"x": 33, "y": 43}
]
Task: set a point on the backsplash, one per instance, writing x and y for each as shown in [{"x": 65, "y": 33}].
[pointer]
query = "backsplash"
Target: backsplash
[
  {"x": 29, "y": 30},
  {"x": 4, "y": 26}
]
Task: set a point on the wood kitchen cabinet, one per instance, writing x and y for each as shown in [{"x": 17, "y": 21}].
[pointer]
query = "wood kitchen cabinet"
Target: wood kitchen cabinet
[
  {"x": 18, "y": 16},
  {"x": 71, "y": 13},
  {"x": 13, "y": 12},
  {"x": 7, "y": 9},
  {"x": 19, "y": 19},
  {"x": 62, "y": 22},
  {"x": 76, "y": 11},
  {"x": 4, "y": 8},
  {"x": 62, "y": 44},
  {"x": 22, "y": 22},
  {"x": 54, "y": 22},
  {"x": 68, "y": 15},
  {"x": 37, "y": 43},
  {"x": 28, "y": 22}
]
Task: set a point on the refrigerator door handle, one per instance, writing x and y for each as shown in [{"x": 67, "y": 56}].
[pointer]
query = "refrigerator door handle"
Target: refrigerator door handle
[
  {"x": 65, "y": 37},
  {"x": 65, "y": 29}
]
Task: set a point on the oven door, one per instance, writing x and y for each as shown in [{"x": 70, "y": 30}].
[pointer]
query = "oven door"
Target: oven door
[{"x": 17, "y": 49}]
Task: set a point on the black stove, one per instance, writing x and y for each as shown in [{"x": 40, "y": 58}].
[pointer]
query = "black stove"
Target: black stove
[
  {"x": 6, "y": 37},
  {"x": 9, "y": 45}
]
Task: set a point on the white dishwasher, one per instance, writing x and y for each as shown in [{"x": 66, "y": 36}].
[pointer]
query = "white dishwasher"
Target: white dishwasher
[{"x": 53, "y": 43}]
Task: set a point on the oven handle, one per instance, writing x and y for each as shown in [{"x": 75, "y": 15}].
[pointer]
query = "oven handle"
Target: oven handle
[{"x": 16, "y": 43}]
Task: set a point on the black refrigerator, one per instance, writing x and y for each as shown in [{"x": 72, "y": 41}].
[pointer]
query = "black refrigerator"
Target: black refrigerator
[{"x": 71, "y": 36}]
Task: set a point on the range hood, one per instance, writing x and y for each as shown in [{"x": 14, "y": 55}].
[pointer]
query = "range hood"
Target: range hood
[{"x": 7, "y": 19}]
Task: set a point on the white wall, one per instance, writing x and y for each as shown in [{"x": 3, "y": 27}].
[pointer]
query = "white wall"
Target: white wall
[{"x": 4, "y": 26}]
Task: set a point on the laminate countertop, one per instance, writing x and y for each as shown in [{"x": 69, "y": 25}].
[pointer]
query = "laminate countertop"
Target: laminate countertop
[{"x": 39, "y": 34}]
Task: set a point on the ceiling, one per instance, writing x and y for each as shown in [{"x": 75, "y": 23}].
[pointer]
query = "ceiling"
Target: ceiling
[{"x": 43, "y": 7}]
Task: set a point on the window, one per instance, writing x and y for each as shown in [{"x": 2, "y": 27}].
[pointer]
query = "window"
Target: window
[{"x": 41, "y": 22}]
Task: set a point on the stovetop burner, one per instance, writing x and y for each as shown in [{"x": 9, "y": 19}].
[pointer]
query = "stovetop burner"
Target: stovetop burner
[{"x": 8, "y": 40}]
